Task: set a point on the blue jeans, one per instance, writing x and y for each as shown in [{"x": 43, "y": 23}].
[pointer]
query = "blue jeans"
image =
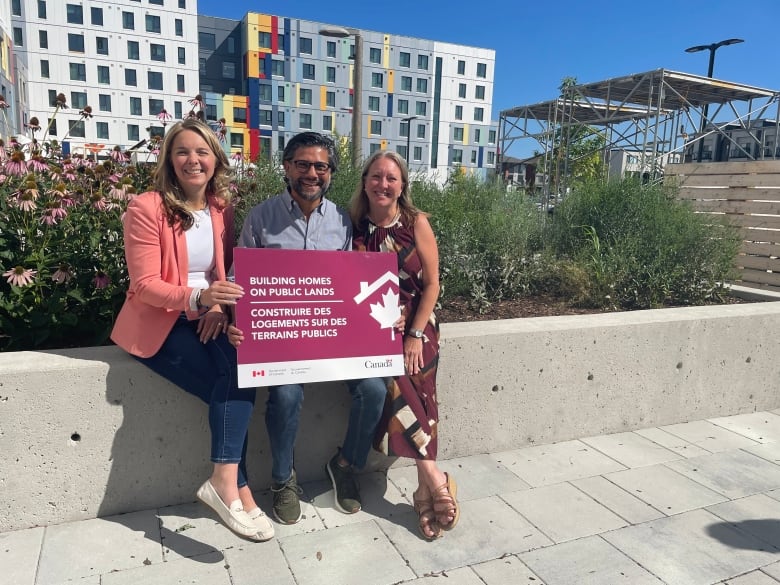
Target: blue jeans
[
  {"x": 208, "y": 371},
  {"x": 283, "y": 410}
]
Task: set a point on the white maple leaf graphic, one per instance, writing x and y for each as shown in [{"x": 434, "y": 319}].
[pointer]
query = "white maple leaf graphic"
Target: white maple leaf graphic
[{"x": 387, "y": 312}]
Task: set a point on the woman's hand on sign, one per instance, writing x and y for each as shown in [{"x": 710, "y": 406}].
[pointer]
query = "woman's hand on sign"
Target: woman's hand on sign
[{"x": 235, "y": 335}]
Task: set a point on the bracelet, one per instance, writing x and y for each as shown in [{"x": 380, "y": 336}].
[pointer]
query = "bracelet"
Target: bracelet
[{"x": 198, "y": 292}]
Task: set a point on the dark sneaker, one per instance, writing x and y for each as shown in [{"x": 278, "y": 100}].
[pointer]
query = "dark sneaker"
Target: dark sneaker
[
  {"x": 344, "y": 486},
  {"x": 287, "y": 503}
]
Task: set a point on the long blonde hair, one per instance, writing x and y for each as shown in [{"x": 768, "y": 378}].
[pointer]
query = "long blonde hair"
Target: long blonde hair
[
  {"x": 166, "y": 183},
  {"x": 358, "y": 205}
]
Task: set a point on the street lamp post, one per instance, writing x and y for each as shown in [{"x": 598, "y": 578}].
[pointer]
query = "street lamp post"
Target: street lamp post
[
  {"x": 357, "y": 88},
  {"x": 711, "y": 48},
  {"x": 408, "y": 121}
]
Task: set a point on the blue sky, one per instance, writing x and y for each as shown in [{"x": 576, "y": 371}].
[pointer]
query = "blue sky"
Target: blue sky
[{"x": 538, "y": 44}]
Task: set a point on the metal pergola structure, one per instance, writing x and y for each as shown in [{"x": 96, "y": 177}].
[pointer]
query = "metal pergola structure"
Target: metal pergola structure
[{"x": 658, "y": 114}]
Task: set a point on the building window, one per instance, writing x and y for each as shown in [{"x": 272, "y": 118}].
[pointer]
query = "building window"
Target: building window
[
  {"x": 305, "y": 121},
  {"x": 305, "y": 96},
  {"x": 327, "y": 122},
  {"x": 231, "y": 46},
  {"x": 16, "y": 7},
  {"x": 421, "y": 108},
  {"x": 76, "y": 128},
  {"x": 420, "y": 130},
  {"x": 131, "y": 78},
  {"x": 330, "y": 75},
  {"x": 280, "y": 42},
  {"x": 308, "y": 71},
  {"x": 180, "y": 83},
  {"x": 457, "y": 134},
  {"x": 45, "y": 68},
  {"x": 280, "y": 93},
  {"x": 277, "y": 67},
  {"x": 236, "y": 140},
  {"x": 373, "y": 103},
  {"x": 266, "y": 117},
  {"x": 491, "y": 157},
  {"x": 78, "y": 72},
  {"x": 491, "y": 136},
  {"x": 422, "y": 62},
  {"x": 404, "y": 130},
  {"x": 280, "y": 120},
  {"x": 135, "y": 106},
  {"x": 128, "y": 20},
  {"x": 201, "y": 66},
  {"x": 462, "y": 90},
  {"x": 265, "y": 92},
  {"x": 473, "y": 157},
  {"x": 155, "y": 80},
  {"x": 133, "y": 132},
  {"x": 182, "y": 54},
  {"x": 478, "y": 114},
  {"x": 458, "y": 112},
  {"x": 153, "y": 23},
  {"x": 239, "y": 115},
  {"x": 133, "y": 51},
  {"x": 403, "y": 106},
  {"x": 155, "y": 106},
  {"x": 228, "y": 70},
  {"x": 183, "y": 4},
  {"x": 42, "y": 9},
  {"x": 402, "y": 152},
  {"x": 330, "y": 49},
  {"x": 78, "y": 99},
  {"x": 103, "y": 74},
  {"x": 101, "y": 45},
  {"x": 52, "y": 124},
  {"x": 207, "y": 41},
  {"x": 75, "y": 14},
  {"x": 264, "y": 39},
  {"x": 417, "y": 153},
  {"x": 375, "y": 55},
  {"x": 374, "y": 147},
  {"x": 101, "y": 128},
  {"x": 157, "y": 52},
  {"x": 96, "y": 16},
  {"x": 461, "y": 67},
  {"x": 156, "y": 131},
  {"x": 305, "y": 47},
  {"x": 457, "y": 155},
  {"x": 158, "y": 2},
  {"x": 377, "y": 79},
  {"x": 404, "y": 59},
  {"x": 477, "y": 135},
  {"x": 18, "y": 37},
  {"x": 75, "y": 43},
  {"x": 482, "y": 70},
  {"x": 104, "y": 102},
  {"x": 479, "y": 92},
  {"x": 43, "y": 38},
  {"x": 422, "y": 85},
  {"x": 179, "y": 27},
  {"x": 330, "y": 99}
]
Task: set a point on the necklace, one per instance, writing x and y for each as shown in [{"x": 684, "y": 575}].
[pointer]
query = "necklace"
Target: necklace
[
  {"x": 198, "y": 216},
  {"x": 387, "y": 224}
]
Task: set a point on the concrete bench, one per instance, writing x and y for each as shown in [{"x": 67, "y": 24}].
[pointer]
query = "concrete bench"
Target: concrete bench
[{"x": 90, "y": 432}]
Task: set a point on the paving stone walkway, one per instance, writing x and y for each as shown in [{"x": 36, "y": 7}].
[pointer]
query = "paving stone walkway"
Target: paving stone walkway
[{"x": 686, "y": 504}]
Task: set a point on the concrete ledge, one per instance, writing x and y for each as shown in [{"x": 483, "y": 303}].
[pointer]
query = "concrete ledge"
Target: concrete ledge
[{"x": 90, "y": 432}]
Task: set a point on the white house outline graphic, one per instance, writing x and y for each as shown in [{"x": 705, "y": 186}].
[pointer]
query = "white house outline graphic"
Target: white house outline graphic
[{"x": 366, "y": 289}]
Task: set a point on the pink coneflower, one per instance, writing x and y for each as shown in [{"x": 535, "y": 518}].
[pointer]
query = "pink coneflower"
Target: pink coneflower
[
  {"x": 59, "y": 190},
  {"x": 86, "y": 113},
  {"x": 52, "y": 215},
  {"x": 198, "y": 102},
  {"x": 164, "y": 116},
  {"x": 237, "y": 156},
  {"x": 118, "y": 192},
  {"x": 3, "y": 104},
  {"x": 33, "y": 124},
  {"x": 101, "y": 203},
  {"x": 3, "y": 153},
  {"x": 61, "y": 101},
  {"x": 26, "y": 202},
  {"x": 118, "y": 156},
  {"x": 20, "y": 276},
  {"x": 37, "y": 163},
  {"x": 101, "y": 279},
  {"x": 63, "y": 274},
  {"x": 16, "y": 165},
  {"x": 222, "y": 135}
]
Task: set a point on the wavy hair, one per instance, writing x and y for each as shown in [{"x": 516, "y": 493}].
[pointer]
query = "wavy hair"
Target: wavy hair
[
  {"x": 166, "y": 183},
  {"x": 358, "y": 205}
]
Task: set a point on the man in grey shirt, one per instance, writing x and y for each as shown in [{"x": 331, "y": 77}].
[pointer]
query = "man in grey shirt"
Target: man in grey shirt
[{"x": 302, "y": 218}]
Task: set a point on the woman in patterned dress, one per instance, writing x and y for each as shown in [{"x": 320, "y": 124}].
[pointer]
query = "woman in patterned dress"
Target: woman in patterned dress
[{"x": 385, "y": 220}]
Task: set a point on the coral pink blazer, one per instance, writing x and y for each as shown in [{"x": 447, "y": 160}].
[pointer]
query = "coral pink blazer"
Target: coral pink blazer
[{"x": 157, "y": 263}]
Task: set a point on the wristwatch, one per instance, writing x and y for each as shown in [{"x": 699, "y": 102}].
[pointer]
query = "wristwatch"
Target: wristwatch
[{"x": 418, "y": 333}]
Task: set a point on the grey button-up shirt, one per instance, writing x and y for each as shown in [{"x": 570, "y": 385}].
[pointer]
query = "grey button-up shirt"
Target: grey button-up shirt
[{"x": 279, "y": 223}]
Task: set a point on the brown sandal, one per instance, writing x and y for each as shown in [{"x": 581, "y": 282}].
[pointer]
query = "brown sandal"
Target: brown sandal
[
  {"x": 426, "y": 518},
  {"x": 444, "y": 503}
]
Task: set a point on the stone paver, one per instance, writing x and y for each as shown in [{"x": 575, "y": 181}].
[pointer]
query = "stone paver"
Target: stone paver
[
  {"x": 772, "y": 570},
  {"x": 562, "y": 512},
  {"x": 734, "y": 474},
  {"x": 508, "y": 569},
  {"x": 556, "y": 463},
  {"x": 464, "y": 576},
  {"x": 758, "y": 515},
  {"x": 209, "y": 568},
  {"x": 19, "y": 552},
  {"x": 631, "y": 449},
  {"x": 679, "y": 550},
  {"x": 622, "y": 503},
  {"x": 763, "y": 427},
  {"x": 752, "y": 578},
  {"x": 672, "y": 442},
  {"x": 709, "y": 436},
  {"x": 588, "y": 561},
  {"x": 665, "y": 489},
  {"x": 259, "y": 563}
]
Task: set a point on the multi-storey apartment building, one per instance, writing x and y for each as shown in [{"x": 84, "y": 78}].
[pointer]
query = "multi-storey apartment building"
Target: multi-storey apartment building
[
  {"x": 127, "y": 59},
  {"x": 10, "y": 106},
  {"x": 432, "y": 98}
]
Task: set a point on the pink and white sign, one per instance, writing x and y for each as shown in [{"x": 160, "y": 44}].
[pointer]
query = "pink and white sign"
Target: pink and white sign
[{"x": 311, "y": 316}]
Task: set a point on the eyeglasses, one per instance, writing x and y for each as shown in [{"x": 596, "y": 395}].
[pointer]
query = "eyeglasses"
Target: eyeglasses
[{"x": 303, "y": 166}]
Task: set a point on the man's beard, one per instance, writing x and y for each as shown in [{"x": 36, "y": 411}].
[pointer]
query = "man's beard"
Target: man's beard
[{"x": 300, "y": 187}]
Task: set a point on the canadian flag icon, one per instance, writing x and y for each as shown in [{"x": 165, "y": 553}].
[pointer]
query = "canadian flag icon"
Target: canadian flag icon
[{"x": 255, "y": 373}]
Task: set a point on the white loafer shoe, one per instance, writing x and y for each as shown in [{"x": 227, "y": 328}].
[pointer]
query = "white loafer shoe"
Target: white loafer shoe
[
  {"x": 234, "y": 516},
  {"x": 265, "y": 530}
]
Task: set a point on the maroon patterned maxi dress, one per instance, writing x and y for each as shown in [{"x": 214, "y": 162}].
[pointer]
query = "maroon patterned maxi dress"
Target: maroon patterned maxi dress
[{"x": 409, "y": 422}]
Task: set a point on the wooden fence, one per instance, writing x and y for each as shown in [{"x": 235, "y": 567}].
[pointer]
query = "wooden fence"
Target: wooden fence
[{"x": 748, "y": 193}]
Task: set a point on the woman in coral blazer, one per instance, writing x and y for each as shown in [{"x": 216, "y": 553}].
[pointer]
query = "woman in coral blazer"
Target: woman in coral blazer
[{"x": 178, "y": 242}]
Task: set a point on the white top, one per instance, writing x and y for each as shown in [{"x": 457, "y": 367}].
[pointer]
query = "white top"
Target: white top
[{"x": 200, "y": 250}]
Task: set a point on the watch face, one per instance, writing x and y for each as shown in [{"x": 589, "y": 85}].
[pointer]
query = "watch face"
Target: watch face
[{"x": 417, "y": 333}]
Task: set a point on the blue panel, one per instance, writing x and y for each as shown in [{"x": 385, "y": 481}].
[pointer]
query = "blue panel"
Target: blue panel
[
  {"x": 287, "y": 35},
  {"x": 480, "y": 155},
  {"x": 253, "y": 85},
  {"x": 389, "y": 105}
]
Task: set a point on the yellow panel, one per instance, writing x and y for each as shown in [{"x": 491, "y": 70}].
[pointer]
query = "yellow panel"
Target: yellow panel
[
  {"x": 386, "y": 52},
  {"x": 323, "y": 91},
  {"x": 253, "y": 64},
  {"x": 390, "y": 81},
  {"x": 351, "y": 76},
  {"x": 383, "y": 145},
  {"x": 297, "y": 95},
  {"x": 253, "y": 18}
]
